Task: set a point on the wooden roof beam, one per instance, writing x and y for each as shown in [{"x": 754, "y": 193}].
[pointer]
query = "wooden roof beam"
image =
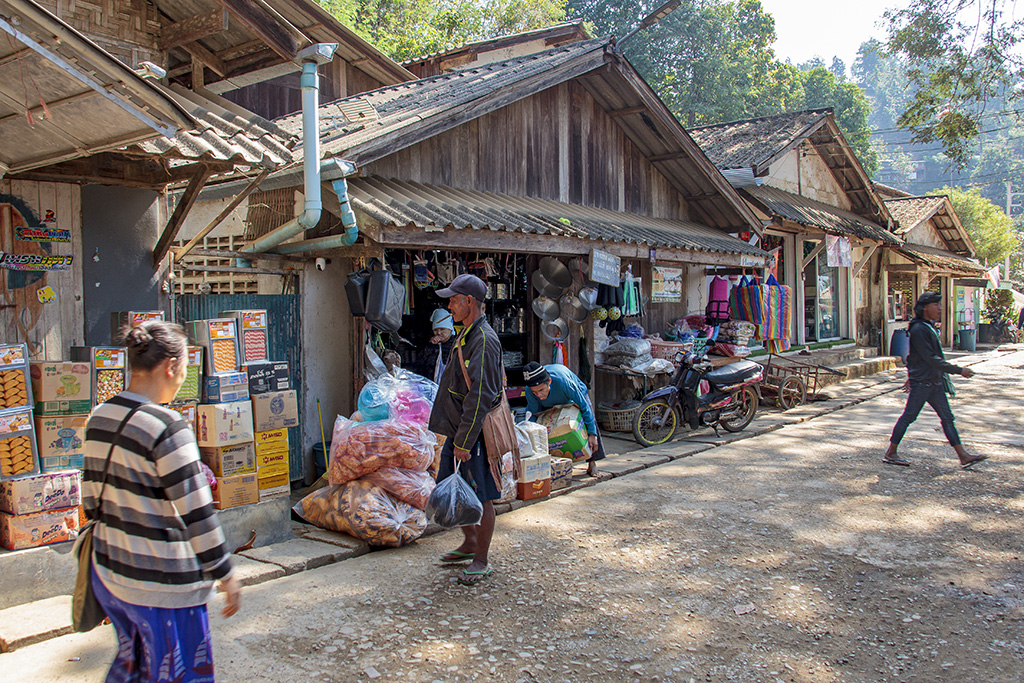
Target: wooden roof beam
[
  {"x": 265, "y": 25},
  {"x": 206, "y": 58},
  {"x": 627, "y": 111},
  {"x": 193, "y": 28},
  {"x": 177, "y": 219},
  {"x": 668, "y": 157}
]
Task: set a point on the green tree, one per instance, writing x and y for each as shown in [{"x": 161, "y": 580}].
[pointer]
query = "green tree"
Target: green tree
[
  {"x": 822, "y": 88},
  {"x": 988, "y": 225},
  {"x": 406, "y": 29},
  {"x": 959, "y": 56}
]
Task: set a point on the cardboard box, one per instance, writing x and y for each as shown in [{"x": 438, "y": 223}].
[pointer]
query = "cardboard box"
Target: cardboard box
[
  {"x": 19, "y": 453},
  {"x": 61, "y": 442},
  {"x": 276, "y": 410},
  {"x": 268, "y": 376},
  {"x": 109, "y": 365},
  {"x": 272, "y": 462},
  {"x": 18, "y": 532},
  {"x": 41, "y": 492},
  {"x": 561, "y": 473},
  {"x": 271, "y": 436},
  {"x": 187, "y": 410},
  {"x": 224, "y": 424},
  {"x": 252, "y": 334},
  {"x": 567, "y": 435},
  {"x": 535, "y": 468},
  {"x": 274, "y": 486},
  {"x": 219, "y": 339},
  {"x": 228, "y": 461},
  {"x": 61, "y": 388},
  {"x": 225, "y": 387},
  {"x": 533, "y": 489},
  {"x": 232, "y": 492},
  {"x": 15, "y": 383},
  {"x": 192, "y": 388},
  {"x": 119, "y": 320}
]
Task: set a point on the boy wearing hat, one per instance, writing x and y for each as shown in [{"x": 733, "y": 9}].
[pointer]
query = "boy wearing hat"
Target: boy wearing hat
[
  {"x": 556, "y": 385},
  {"x": 927, "y": 382},
  {"x": 431, "y": 359},
  {"x": 464, "y": 397}
]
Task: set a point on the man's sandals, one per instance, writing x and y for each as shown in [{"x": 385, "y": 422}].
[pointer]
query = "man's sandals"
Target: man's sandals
[{"x": 469, "y": 578}]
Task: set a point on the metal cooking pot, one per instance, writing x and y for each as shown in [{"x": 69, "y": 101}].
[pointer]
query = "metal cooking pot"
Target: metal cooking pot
[
  {"x": 544, "y": 286},
  {"x": 572, "y": 308},
  {"x": 588, "y": 297},
  {"x": 555, "y": 272},
  {"x": 545, "y": 308},
  {"x": 556, "y": 330}
]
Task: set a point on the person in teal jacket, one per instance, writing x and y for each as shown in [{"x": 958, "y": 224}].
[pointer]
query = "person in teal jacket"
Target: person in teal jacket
[{"x": 556, "y": 385}]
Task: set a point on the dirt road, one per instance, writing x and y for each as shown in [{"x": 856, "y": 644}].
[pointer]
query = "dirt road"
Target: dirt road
[{"x": 791, "y": 556}]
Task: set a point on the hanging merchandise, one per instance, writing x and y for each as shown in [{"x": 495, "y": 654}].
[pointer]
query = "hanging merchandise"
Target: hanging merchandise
[
  {"x": 407, "y": 281},
  {"x": 630, "y": 293},
  {"x": 561, "y": 354},
  {"x": 717, "y": 311},
  {"x": 745, "y": 303},
  {"x": 422, "y": 277},
  {"x": 777, "y": 314},
  {"x": 584, "y": 373},
  {"x": 447, "y": 271}
]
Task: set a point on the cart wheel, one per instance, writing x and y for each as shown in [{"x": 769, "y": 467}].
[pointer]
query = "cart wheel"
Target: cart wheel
[{"x": 792, "y": 392}]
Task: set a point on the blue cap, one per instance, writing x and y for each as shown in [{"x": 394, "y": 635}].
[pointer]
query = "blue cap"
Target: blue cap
[{"x": 441, "y": 319}]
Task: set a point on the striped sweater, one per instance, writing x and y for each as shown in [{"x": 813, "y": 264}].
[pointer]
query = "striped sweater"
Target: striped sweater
[{"x": 157, "y": 542}]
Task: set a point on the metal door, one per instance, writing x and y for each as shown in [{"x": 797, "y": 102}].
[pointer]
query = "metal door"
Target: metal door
[{"x": 284, "y": 337}]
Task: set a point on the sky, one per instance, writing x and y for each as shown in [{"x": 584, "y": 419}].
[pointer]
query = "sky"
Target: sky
[{"x": 798, "y": 26}]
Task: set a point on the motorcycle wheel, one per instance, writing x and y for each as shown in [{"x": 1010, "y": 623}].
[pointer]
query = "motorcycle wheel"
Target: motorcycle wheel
[
  {"x": 645, "y": 431},
  {"x": 744, "y": 413}
]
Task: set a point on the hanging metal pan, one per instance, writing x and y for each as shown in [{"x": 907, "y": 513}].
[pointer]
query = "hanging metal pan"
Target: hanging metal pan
[
  {"x": 588, "y": 297},
  {"x": 545, "y": 308},
  {"x": 572, "y": 308},
  {"x": 544, "y": 286},
  {"x": 555, "y": 272},
  {"x": 556, "y": 330}
]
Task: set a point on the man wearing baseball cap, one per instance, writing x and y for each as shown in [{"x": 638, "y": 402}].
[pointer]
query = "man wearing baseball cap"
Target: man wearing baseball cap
[
  {"x": 928, "y": 382},
  {"x": 459, "y": 412}
]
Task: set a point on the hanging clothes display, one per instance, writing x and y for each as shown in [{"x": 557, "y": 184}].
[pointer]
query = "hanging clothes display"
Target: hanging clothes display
[
  {"x": 717, "y": 311},
  {"x": 778, "y": 316}
]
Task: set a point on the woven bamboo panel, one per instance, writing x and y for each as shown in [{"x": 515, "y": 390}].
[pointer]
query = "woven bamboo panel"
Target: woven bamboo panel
[
  {"x": 268, "y": 210},
  {"x": 196, "y": 282},
  {"x": 127, "y": 29}
]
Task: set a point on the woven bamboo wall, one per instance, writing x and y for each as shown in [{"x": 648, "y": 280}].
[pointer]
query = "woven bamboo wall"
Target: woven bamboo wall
[{"x": 127, "y": 29}]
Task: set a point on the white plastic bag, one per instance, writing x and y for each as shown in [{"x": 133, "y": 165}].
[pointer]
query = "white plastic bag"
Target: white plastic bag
[{"x": 454, "y": 503}]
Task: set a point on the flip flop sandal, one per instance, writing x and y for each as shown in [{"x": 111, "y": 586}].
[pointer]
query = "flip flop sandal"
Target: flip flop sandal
[
  {"x": 469, "y": 578},
  {"x": 900, "y": 462},
  {"x": 456, "y": 556},
  {"x": 971, "y": 463}
]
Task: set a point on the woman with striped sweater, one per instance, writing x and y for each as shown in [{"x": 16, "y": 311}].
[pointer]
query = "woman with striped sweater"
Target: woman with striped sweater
[{"x": 157, "y": 544}]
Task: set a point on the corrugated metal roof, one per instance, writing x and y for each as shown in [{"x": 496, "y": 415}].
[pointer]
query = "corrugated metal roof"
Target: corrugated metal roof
[
  {"x": 747, "y": 143},
  {"x": 399, "y": 203},
  {"x": 223, "y": 132},
  {"x": 941, "y": 259},
  {"x": 819, "y": 215}
]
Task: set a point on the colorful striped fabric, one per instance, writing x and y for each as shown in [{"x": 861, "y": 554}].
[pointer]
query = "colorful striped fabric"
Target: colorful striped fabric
[
  {"x": 746, "y": 303},
  {"x": 778, "y": 315}
]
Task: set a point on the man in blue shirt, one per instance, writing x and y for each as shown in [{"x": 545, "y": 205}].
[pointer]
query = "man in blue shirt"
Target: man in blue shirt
[{"x": 556, "y": 385}]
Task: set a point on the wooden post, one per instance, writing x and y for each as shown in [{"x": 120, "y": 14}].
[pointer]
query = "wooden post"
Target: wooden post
[
  {"x": 188, "y": 198},
  {"x": 239, "y": 198}
]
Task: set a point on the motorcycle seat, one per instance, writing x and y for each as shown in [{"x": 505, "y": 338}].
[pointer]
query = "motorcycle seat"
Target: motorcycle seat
[{"x": 733, "y": 373}]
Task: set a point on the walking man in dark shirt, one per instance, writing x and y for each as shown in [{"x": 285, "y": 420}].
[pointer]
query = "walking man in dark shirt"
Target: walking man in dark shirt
[{"x": 927, "y": 380}]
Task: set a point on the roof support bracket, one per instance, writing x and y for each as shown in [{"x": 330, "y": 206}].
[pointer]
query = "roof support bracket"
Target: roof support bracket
[
  {"x": 188, "y": 198},
  {"x": 239, "y": 198},
  {"x": 864, "y": 260},
  {"x": 810, "y": 257}
]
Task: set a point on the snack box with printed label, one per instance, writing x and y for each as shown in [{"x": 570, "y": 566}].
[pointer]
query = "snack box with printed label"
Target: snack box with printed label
[
  {"x": 275, "y": 410},
  {"x": 561, "y": 473},
  {"x": 225, "y": 387},
  {"x": 18, "y": 532},
  {"x": 535, "y": 467},
  {"x": 18, "y": 451},
  {"x": 567, "y": 434},
  {"x": 271, "y": 438},
  {"x": 224, "y": 424},
  {"x": 227, "y": 461},
  {"x": 122, "y": 321},
  {"x": 274, "y": 486},
  {"x": 109, "y": 365},
  {"x": 219, "y": 339},
  {"x": 41, "y": 492},
  {"x": 268, "y": 376},
  {"x": 15, "y": 384},
  {"x": 530, "y": 490},
  {"x": 61, "y": 387},
  {"x": 252, "y": 334},
  {"x": 271, "y": 462},
  {"x": 187, "y": 409},
  {"x": 231, "y": 492},
  {"x": 192, "y": 388},
  {"x": 61, "y": 442}
]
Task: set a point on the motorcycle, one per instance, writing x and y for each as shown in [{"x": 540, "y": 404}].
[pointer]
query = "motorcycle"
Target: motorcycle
[
  {"x": 1002, "y": 329},
  {"x": 697, "y": 396}
]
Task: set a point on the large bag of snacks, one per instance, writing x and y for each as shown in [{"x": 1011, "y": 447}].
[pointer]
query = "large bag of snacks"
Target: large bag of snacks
[
  {"x": 408, "y": 486},
  {"x": 365, "y": 511},
  {"x": 358, "y": 448},
  {"x": 402, "y": 395}
]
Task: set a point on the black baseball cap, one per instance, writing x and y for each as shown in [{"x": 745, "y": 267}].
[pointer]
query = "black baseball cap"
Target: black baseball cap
[
  {"x": 469, "y": 285},
  {"x": 929, "y": 298}
]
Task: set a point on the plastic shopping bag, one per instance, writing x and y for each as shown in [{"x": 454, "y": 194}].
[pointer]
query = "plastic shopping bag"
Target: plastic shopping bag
[
  {"x": 358, "y": 448},
  {"x": 408, "y": 486},
  {"x": 454, "y": 503}
]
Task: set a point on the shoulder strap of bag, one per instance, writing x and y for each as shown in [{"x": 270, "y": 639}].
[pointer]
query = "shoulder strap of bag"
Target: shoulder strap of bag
[
  {"x": 110, "y": 453},
  {"x": 465, "y": 373}
]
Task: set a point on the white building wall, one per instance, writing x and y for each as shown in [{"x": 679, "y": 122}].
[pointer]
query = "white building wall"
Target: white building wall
[{"x": 803, "y": 172}]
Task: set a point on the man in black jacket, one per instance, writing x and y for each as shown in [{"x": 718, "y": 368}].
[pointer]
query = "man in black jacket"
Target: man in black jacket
[
  {"x": 464, "y": 397},
  {"x": 926, "y": 382}
]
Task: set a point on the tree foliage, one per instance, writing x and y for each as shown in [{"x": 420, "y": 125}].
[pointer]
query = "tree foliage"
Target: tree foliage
[
  {"x": 406, "y": 29},
  {"x": 990, "y": 228},
  {"x": 960, "y": 54}
]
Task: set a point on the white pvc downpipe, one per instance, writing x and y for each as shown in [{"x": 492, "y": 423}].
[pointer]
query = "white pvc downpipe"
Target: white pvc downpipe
[
  {"x": 312, "y": 206},
  {"x": 345, "y": 239}
]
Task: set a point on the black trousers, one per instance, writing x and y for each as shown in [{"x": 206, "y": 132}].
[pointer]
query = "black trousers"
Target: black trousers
[{"x": 935, "y": 396}]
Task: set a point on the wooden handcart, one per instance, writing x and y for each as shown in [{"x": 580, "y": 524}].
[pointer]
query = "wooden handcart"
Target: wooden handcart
[{"x": 792, "y": 381}]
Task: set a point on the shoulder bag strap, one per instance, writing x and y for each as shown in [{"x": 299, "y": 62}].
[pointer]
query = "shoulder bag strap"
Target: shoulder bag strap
[
  {"x": 110, "y": 453},
  {"x": 465, "y": 373}
]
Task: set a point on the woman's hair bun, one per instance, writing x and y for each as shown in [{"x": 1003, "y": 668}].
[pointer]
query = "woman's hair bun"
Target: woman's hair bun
[{"x": 138, "y": 338}]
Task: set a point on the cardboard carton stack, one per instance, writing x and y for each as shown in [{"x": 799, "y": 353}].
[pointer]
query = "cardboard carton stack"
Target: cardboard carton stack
[
  {"x": 63, "y": 394},
  {"x": 40, "y": 509}
]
